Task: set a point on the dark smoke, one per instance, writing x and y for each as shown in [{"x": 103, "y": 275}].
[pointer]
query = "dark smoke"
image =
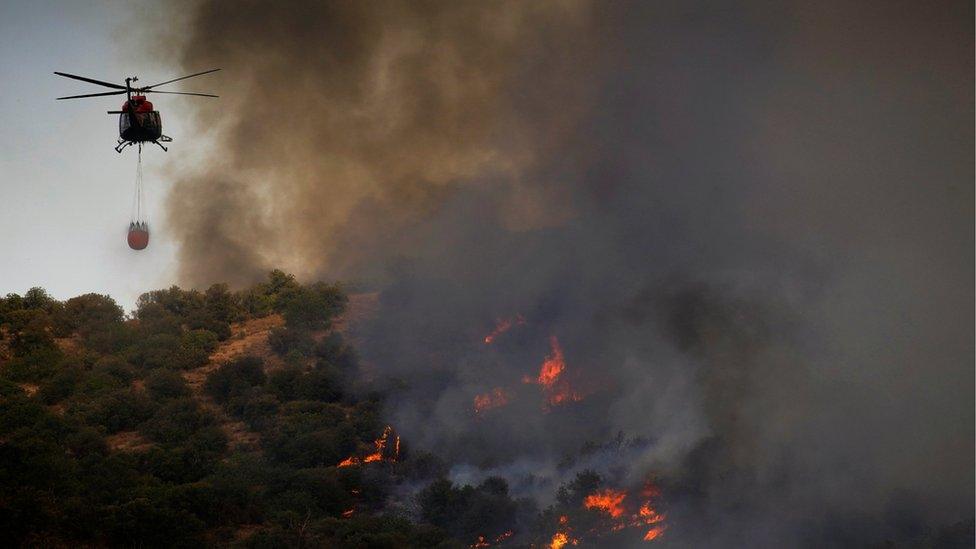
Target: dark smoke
[{"x": 750, "y": 226}]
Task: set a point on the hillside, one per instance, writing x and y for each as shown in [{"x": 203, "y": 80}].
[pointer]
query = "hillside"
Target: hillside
[
  {"x": 206, "y": 418},
  {"x": 236, "y": 418}
]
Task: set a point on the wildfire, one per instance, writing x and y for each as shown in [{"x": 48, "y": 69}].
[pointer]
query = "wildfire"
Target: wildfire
[
  {"x": 653, "y": 533},
  {"x": 553, "y": 365},
  {"x": 561, "y": 539},
  {"x": 502, "y": 326},
  {"x": 497, "y": 397},
  {"x": 608, "y": 501},
  {"x": 557, "y": 390},
  {"x": 381, "y": 453},
  {"x": 649, "y": 515},
  {"x": 348, "y": 513},
  {"x": 614, "y": 504},
  {"x": 484, "y": 542}
]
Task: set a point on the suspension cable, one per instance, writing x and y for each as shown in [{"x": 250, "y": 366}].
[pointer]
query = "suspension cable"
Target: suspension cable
[{"x": 137, "y": 198}]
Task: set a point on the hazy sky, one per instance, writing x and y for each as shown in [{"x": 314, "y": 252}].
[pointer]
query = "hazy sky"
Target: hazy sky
[{"x": 65, "y": 194}]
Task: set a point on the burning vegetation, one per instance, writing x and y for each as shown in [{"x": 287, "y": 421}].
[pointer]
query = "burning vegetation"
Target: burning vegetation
[
  {"x": 589, "y": 513},
  {"x": 499, "y": 539},
  {"x": 383, "y": 450},
  {"x": 496, "y": 398},
  {"x": 503, "y": 326},
  {"x": 551, "y": 377}
]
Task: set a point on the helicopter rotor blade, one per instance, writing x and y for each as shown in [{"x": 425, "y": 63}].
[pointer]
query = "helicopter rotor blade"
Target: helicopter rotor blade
[
  {"x": 182, "y": 93},
  {"x": 178, "y": 79},
  {"x": 90, "y": 80},
  {"x": 91, "y": 95}
]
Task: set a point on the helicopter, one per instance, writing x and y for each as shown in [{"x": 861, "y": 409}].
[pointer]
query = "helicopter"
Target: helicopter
[{"x": 138, "y": 122}]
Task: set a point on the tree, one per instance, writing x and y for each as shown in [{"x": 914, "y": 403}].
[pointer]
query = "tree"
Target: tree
[
  {"x": 235, "y": 378},
  {"x": 175, "y": 422},
  {"x": 164, "y": 384},
  {"x": 89, "y": 313},
  {"x": 468, "y": 512},
  {"x": 279, "y": 282},
  {"x": 312, "y": 307},
  {"x": 222, "y": 304},
  {"x": 38, "y": 299},
  {"x": 29, "y": 330}
]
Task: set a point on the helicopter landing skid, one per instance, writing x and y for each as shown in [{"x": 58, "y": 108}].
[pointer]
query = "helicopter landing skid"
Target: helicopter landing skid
[
  {"x": 163, "y": 139},
  {"x": 123, "y": 144}
]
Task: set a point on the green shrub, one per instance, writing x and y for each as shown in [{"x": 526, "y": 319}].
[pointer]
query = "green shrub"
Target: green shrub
[
  {"x": 468, "y": 512},
  {"x": 235, "y": 378},
  {"x": 38, "y": 364},
  {"x": 122, "y": 410},
  {"x": 320, "y": 384},
  {"x": 257, "y": 408},
  {"x": 222, "y": 304},
  {"x": 165, "y": 384},
  {"x": 195, "y": 349},
  {"x": 116, "y": 367},
  {"x": 285, "y": 383},
  {"x": 88, "y": 314},
  {"x": 311, "y": 307},
  {"x": 29, "y": 331},
  {"x": 285, "y": 339},
  {"x": 143, "y": 522},
  {"x": 61, "y": 385},
  {"x": 333, "y": 351},
  {"x": 158, "y": 350},
  {"x": 175, "y": 422},
  {"x": 196, "y": 456}
]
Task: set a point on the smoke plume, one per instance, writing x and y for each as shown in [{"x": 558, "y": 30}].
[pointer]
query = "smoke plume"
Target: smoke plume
[{"x": 749, "y": 228}]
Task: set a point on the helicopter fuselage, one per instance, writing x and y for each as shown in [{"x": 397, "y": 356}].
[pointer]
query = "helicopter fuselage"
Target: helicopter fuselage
[{"x": 138, "y": 122}]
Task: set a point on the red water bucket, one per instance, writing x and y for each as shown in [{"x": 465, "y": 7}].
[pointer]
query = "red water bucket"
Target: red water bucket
[{"x": 138, "y": 237}]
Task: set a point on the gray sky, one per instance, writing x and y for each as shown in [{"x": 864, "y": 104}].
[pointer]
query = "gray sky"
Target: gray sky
[{"x": 65, "y": 195}]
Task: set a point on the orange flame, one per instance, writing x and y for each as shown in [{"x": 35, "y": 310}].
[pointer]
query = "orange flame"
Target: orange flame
[
  {"x": 612, "y": 503},
  {"x": 563, "y": 394},
  {"x": 348, "y": 513},
  {"x": 381, "y": 452},
  {"x": 502, "y": 326},
  {"x": 553, "y": 365},
  {"x": 653, "y": 533},
  {"x": 561, "y": 539},
  {"x": 649, "y": 515},
  {"x": 483, "y": 541},
  {"x": 608, "y": 501},
  {"x": 557, "y": 390},
  {"x": 497, "y": 397}
]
